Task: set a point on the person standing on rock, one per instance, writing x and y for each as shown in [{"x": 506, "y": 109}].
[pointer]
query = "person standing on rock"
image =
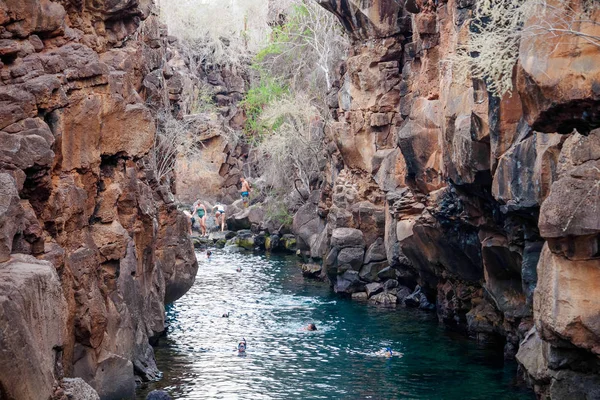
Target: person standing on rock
[
  {"x": 220, "y": 216},
  {"x": 200, "y": 212},
  {"x": 245, "y": 191}
]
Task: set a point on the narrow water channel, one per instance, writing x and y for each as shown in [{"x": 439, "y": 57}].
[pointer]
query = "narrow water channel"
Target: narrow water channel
[{"x": 269, "y": 302}]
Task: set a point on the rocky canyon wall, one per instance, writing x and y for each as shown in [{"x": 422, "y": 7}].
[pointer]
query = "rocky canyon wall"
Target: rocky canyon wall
[
  {"x": 91, "y": 245},
  {"x": 209, "y": 96},
  {"x": 489, "y": 205}
]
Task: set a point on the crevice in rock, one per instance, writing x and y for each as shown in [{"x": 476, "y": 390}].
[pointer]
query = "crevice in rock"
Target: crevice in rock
[{"x": 581, "y": 115}]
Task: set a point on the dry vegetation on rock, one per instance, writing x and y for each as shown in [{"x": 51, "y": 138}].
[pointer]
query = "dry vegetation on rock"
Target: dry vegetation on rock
[{"x": 498, "y": 27}]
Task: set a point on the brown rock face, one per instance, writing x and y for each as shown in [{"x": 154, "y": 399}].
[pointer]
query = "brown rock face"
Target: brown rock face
[
  {"x": 75, "y": 135},
  {"x": 474, "y": 187},
  {"x": 563, "y": 306},
  {"x": 33, "y": 312}
]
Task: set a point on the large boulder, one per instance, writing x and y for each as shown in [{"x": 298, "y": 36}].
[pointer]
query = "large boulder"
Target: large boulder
[
  {"x": 419, "y": 143},
  {"x": 348, "y": 282},
  {"x": 309, "y": 227},
  {"x": 370, "y": 272},
  {"x": 347, "y": 237},
  {"x": 109, "y": 374},
  {"x": 564, "y": 306},
  {"x": 525, "y": 172},
  {"x": 33, "y": 313},
  {"x": 570, "y": 208},
  {"x": 386, "y": 299},
  {"x": 176, "y": 253},
  {"x": 10, "y": 214},
  {"x": 351, "y": 256},
  {"x": 247, "y": 218},
  {"x": 78, "y": 389},
  {"x": 376, "y": 252},
  {"x": 27, "y": 143}
]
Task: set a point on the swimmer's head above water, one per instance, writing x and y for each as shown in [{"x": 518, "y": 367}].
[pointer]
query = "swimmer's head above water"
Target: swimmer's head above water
[
  {"x": 311, "y": 327},
  {"x": 242, "y": 346}
]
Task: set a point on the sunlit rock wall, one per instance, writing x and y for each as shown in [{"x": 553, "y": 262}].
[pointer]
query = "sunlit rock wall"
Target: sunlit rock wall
[
  {"x": 474, "y": 198},
  {"x": 81, "y": 217}
]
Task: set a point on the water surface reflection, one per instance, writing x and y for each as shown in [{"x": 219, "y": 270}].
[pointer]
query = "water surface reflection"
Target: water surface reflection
[{"x": 269, "y": 302}]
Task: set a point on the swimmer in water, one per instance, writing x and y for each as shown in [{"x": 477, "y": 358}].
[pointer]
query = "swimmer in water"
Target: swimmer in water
[
  {"x": 388, "y": 353},
  {"x": 242, "y": 346},
  {"x": 208, "y": 254},
  {"x": 239, "y": 269},
  {"x": 311, "y": 327}
]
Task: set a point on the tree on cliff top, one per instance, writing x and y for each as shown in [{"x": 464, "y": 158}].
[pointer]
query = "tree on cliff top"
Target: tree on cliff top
[
  {"x": 290, "y": 157},
  {"x": 498, "y": 27},
  {"x": 217, "y": 32},
  {"x": 304, "y": 47},
  {"x": 302, "y": 51}
]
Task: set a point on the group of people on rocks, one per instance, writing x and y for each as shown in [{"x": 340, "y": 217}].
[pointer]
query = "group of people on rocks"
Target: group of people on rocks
[{"x": 199, "y": 211}]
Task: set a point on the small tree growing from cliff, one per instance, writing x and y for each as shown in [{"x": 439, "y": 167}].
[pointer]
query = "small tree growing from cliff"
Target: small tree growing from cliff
[
  {"x": 173, "y": 139},
  {"x": 498, "y": 26},
  {"x": 217, "y": 32},
  {"x": 304, "y": 47},
  {"x": 290, "y": 156}
]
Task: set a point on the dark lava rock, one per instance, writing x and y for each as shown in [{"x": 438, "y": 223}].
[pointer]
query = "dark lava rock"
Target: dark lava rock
[{"x": 158, "y": 395}]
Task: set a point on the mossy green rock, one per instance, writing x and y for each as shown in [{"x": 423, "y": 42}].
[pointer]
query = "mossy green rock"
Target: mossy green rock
[
  {"x": 289, "y": 242},
  {"x": 246, "y": 242}
]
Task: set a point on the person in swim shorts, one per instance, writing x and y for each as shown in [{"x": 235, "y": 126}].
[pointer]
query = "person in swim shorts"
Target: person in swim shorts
[
  {"x": 245, "y": 191},
  {"x": 220, "y": 216},
  {"x": 200, "y": 213}
]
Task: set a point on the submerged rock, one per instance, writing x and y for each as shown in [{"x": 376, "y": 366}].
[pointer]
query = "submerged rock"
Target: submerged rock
[
  {"x": 384, "y": 299},
  {"x": 158, "y": 395},
  {"x": 311, "y": 270},
  {"x": 360, "y": 296}
]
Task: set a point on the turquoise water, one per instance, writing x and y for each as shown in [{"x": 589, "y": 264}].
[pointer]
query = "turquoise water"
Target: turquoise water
[{"x": 270, "y": 302}]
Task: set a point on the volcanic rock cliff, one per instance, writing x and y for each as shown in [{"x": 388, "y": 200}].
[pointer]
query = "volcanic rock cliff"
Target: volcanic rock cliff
[
  {"x": 489, "y": 204},
  {"x": 91, "y": 244}
]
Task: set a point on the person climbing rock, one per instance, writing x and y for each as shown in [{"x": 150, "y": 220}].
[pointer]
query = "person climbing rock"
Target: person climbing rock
[
  {"x": 200, "y": 212},
  {"x": 245, "y": 191},
  {"x": 220, "y": 216}
]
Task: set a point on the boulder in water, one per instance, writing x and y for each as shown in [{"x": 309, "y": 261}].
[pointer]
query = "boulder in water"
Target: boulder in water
[
  {"x": 360, "y": 296},
  {"x": 78, "y": 389},
  {"x": 384, "y": 299},
  {"x": 158, "y": 395},
  {"x": 311, "y": 270},
  {"x": 289, "y": 242},
  {"x": 348, "y": 282},
  {"x": 373, "y": 288}
]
